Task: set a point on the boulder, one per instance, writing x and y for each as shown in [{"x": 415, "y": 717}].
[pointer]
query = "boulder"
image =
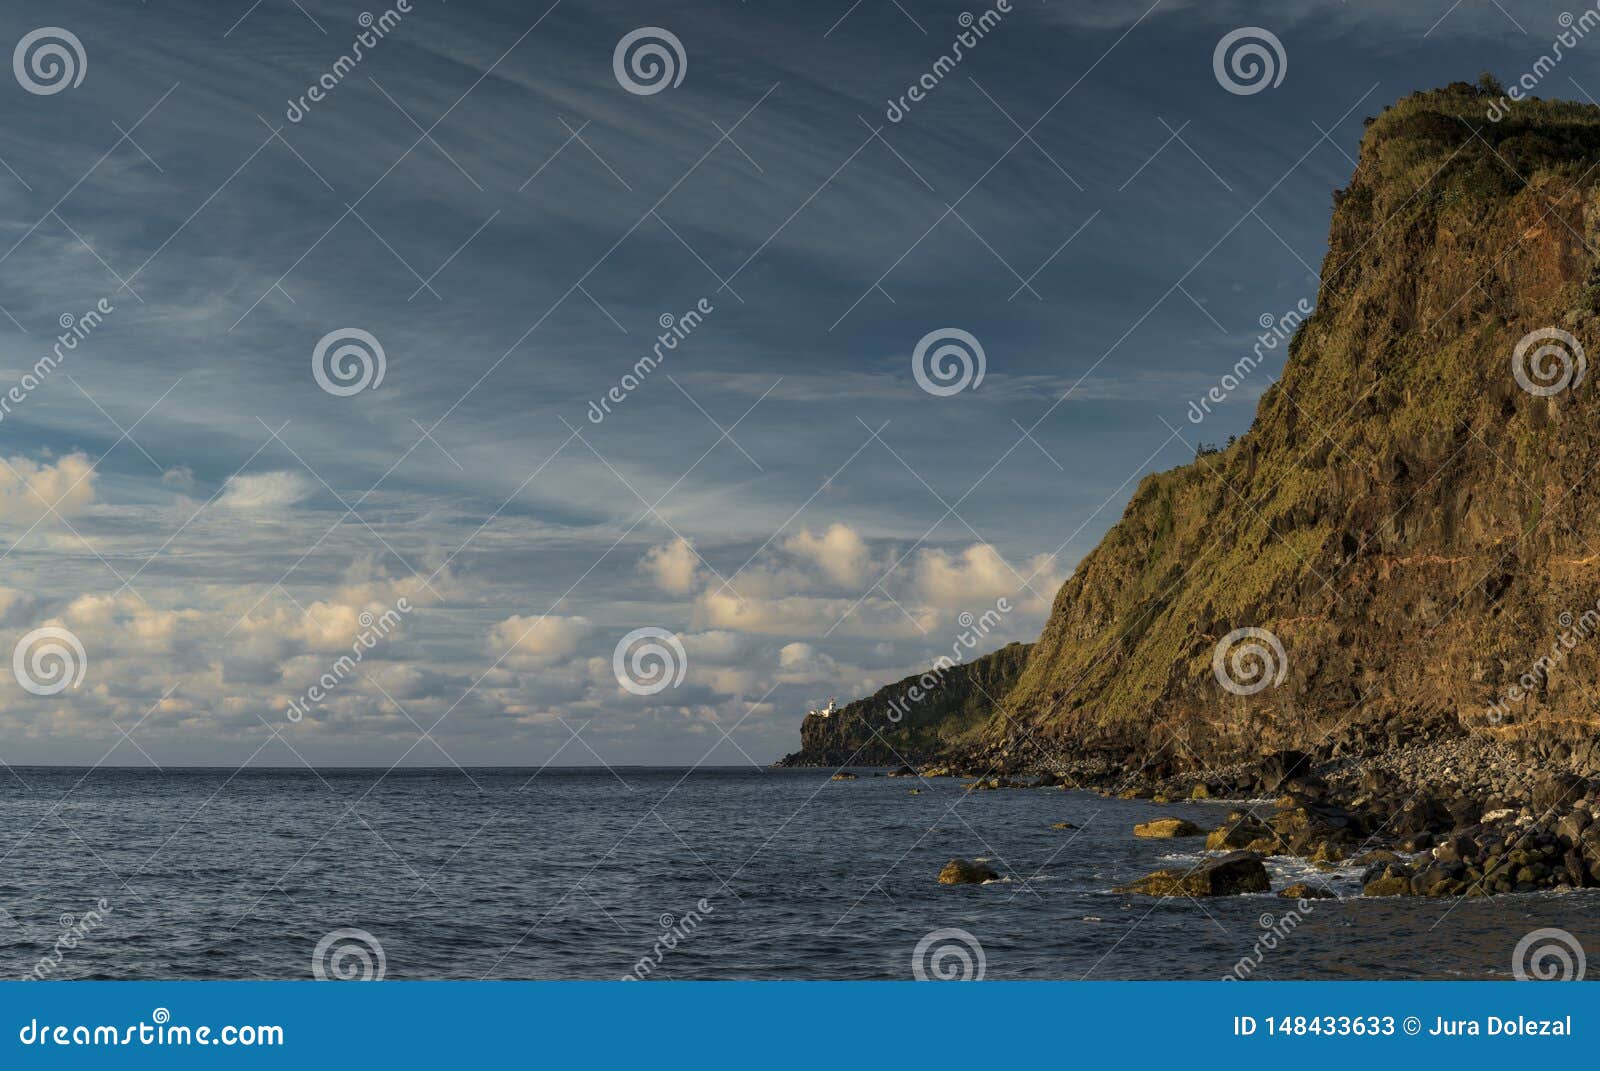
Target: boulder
[
  {"x": 1387, "y": 886},
  {"x": 844, "y": 777},
  {"x": 1238, "y": 831},
  {"x": 1377, "y": 855},
  {"x": 1571, "y": 827},
  {"x": 1556, "y": 793},
  {"x": 1302, "y": 891},
  {"x": 903, "y": 771},
  {"x": 1063, "y": 825},
  {"x": 964, "y": 872},
  {"x": 1238, "y": 872},
  {"x": 1283, "y": 766},
  {"x": 1168, "y": 827}
]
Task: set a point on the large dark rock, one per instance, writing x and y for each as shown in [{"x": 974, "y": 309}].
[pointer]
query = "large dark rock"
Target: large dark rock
[
  {"x": 1240, "y": 829},
  {"x": 965, "y": 872},
  {"x": 1238, "y": 872},
  {"x": 1556, "y": 793},
  {"x": 1168, "y": 827},
  {"x": 1281, "y": 767}
]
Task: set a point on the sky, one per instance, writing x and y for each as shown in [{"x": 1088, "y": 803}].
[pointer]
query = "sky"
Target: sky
[{"x": 210, "y": 498}]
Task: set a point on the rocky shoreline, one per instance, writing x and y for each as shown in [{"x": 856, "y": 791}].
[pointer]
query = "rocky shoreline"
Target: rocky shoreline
[{"x": 1444, "y": 816}]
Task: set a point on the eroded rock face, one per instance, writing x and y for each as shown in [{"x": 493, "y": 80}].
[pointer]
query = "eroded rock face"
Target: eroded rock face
[{"x": 1237, "y": 872}]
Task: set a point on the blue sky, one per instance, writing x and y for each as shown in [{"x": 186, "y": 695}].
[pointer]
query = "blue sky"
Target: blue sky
[{"x": 483, "y": 196}]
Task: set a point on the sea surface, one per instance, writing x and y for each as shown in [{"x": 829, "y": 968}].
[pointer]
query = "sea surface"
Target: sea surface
[{"x": 585, "y": 873}]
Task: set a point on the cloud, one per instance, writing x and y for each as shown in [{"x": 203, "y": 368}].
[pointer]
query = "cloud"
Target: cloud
[
  {"x": 28, "y": 490},
  {"x": 981, "y": 574},
  {"x": 840, "y": 553},
  {"x": 180, "y": 477},
  {"x": 538, "y": 641},
  {"x": 672, "y": 566},
  {"x": 810, "y": 616},
  {"x": 264, "y": 491}
]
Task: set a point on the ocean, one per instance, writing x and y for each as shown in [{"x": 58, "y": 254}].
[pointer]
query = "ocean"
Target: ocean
[{"x": 665, "y": 874}]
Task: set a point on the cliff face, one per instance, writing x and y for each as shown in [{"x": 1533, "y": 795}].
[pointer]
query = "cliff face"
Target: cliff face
[
  {"x": 1414, "y": 527},
  {"x": 912, "y": 720}
]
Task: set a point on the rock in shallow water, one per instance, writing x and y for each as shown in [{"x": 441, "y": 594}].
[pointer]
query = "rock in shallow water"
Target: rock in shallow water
[
  {"x": 1239, "y": 872},
  {"x": 1168, "y": 827},
  {"x": 964, "y": 872}
]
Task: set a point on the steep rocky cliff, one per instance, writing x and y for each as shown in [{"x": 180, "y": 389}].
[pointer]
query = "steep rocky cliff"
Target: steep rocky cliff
[
  {"x": 1413, "y": 526},
  {"x": 1411, "y": 523}
]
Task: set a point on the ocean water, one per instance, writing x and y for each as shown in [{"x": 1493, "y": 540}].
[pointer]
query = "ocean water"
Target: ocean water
[{"x": 579, "y": 873}]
